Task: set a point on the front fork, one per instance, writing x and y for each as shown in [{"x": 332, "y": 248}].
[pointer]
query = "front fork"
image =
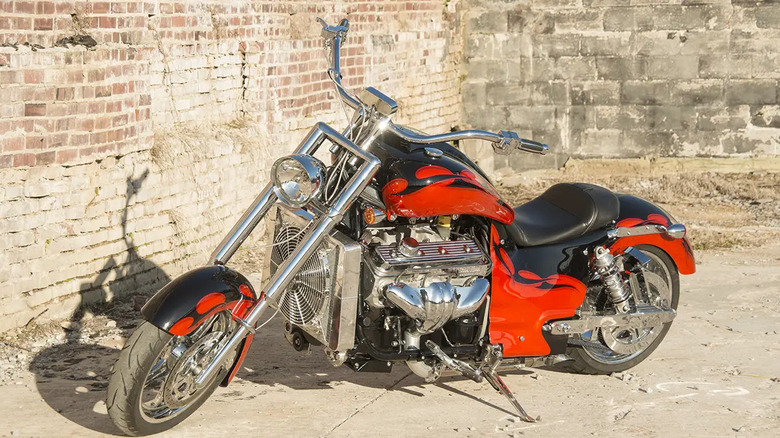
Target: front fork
[{"x": 322, "y": 225}]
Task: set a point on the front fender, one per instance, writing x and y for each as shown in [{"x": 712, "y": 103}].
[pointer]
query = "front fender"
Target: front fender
[
  {"x": 636, "y": 212},
  {"x": 184, "y": 303}
]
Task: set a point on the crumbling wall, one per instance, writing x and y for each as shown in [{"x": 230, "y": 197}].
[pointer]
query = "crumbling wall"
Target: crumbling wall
[
  {"x": 133, "y": 133},
  {"x": 619, "y": 78}
]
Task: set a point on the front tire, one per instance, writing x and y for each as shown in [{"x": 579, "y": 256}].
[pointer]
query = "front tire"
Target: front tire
[
  {"x": 151, "y": 388},
  {"x": 597, "y": 358}
]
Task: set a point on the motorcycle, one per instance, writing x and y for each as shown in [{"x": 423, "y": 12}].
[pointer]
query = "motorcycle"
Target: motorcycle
[{"x": 402, "y": 252}]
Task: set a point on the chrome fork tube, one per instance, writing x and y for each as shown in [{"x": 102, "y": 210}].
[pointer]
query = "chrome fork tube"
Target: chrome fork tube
[
  {"x": 244, "y": 226},
  {"x": 252, "y": 216},
  {"x": 312, "y": 239}
]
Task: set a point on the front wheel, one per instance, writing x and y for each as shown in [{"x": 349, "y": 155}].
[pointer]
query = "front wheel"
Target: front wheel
[
  {"x": 618, "y": 349},
  {"x": 152, "y": 385}
]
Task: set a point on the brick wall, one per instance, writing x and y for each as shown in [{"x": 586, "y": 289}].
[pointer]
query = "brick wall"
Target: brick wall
[
  {"x": 620, "y": 78},
  {"x": 133, "y": 133}
]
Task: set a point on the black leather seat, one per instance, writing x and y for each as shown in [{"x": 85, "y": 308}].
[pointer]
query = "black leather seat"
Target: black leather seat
[{"x": 564, "y": 211}]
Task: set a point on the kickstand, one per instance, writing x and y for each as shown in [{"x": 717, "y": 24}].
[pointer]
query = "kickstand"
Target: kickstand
[
  {"x": 487, "y": 371},
  {"x": 491, "y": 362}
]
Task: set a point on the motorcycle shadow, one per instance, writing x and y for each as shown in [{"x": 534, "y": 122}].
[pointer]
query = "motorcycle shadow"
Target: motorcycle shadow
[{"x": 72, "y": 379}]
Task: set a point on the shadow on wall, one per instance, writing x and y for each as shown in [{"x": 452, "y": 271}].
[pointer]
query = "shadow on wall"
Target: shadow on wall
[{"x": 72, "y": 377}]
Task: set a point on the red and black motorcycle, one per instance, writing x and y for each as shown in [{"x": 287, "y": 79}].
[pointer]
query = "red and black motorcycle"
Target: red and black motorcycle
[{"x": 401, "y": 251}]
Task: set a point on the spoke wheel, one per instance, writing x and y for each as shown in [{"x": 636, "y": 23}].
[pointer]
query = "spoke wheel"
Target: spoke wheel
[
  {"x": 152, "y": 386},
  {"x": 620, "y": 348}
]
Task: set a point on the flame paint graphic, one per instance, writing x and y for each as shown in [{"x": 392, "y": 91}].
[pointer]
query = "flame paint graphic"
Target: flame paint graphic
[
  {"x": 212, "y": 304},
  {"x": 522, "y": 302},
  {"x": 652, "y": 219},
  {"x": 446, "y": 193}
]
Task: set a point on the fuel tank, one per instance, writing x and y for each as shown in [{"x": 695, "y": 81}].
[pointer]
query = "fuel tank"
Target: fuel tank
[{"x": 435, "y": 180}]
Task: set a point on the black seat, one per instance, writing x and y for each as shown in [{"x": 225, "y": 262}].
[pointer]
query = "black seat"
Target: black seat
[{"x": 563, "y": 212}]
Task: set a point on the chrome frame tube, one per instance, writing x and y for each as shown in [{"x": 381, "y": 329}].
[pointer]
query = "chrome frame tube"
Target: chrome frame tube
[{"x": 323, "y": 225}]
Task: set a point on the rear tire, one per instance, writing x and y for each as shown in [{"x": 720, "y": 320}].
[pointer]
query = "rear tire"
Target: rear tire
[
  {"x": 587, "y": 360},
  {"x": 150, "y": 357}
]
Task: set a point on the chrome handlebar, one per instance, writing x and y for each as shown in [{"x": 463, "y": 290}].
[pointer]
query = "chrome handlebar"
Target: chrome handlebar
[{"x": 503, "y": 143}]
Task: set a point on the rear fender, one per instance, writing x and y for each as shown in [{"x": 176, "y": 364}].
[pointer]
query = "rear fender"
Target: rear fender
[{"x": 637, "y": 212}]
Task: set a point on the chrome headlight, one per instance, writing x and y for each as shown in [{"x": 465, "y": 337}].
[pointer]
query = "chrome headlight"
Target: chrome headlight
[{"x": 298, "y": 179}]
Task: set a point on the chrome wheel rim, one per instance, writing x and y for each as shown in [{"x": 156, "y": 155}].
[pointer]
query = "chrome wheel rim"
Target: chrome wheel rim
[
  {"x": 169, "y": 386},
  {"x": 619, "y": 344}
]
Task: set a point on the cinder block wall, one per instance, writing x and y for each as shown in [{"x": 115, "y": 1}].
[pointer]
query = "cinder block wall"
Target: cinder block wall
[
  {"x": 620, "y": 78},
  {"x": 133, "y": 133}
]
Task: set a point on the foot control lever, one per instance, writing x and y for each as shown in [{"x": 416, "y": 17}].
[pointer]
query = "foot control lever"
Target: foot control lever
[{"x": 457, "y": 365}]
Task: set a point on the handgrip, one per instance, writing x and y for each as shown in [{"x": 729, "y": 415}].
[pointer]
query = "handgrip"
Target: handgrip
[
  {"x": 511, "y": 141},
  {"x": 533, "y": 146}
]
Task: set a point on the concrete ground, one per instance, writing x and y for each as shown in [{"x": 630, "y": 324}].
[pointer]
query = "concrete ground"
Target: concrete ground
[{"x": 716, "y": 374}]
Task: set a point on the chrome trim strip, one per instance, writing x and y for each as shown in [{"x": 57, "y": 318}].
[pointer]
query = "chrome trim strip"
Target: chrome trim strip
[{"x": 676, "y": 231}]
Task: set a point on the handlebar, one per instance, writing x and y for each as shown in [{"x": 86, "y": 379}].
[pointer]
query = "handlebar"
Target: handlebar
[{"x": 503, "y": 142}]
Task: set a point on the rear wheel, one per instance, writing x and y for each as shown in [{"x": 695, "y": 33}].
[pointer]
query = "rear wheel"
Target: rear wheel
[
  {"x": 152, "y": 385},
  {"x": 610, "y": 350}
]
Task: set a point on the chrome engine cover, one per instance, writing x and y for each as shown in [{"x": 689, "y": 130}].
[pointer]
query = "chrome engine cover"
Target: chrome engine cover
[{"x": 458, "y": 262}]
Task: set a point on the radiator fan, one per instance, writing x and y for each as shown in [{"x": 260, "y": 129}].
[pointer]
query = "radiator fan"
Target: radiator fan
[{"x": 303, "y": 298}]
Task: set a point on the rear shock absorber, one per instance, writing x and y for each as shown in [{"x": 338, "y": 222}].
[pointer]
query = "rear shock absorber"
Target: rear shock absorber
[{"x": 609, "y": 273}]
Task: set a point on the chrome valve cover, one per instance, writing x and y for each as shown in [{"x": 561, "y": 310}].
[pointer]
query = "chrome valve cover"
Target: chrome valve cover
[{"x": 457, "y": 262}]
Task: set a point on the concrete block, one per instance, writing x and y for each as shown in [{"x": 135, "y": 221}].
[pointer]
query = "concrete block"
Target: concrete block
[
  {"x": 768, "y": 16},
  {"x": 722, "y": 119},
  {"x": 759, "y": 41},
  {"x": 701, "y": 92},
  {"x": 538, "y": 117},
  {"x": 606, "y": 45},
  {"x": 595, "y": 93},
  {"x": 704, "y": 42},
  {"x": 765, "y": 116},
  {"x": 486, "y": 21},
  {"x": 621, "y": 68},
  {"x": 538, "y": 93},
  {"x": 678, "y": 17},
  {"x": 525, "y": 20},
  {"x": 578, "y": 19},
  {"x": 624, "y": 117},
  {"x": 557, "y": 45},
  {"x": 575, "y": 68},
  {"x": 673, "y": 67},
  {"x": 751, "y": 92},
  {"x": 724, "y": 66},
  {"x": 628, "y": 19},
  {"x": 645, "y": 92},
  {"x": 582, "y": 117},
  {"x": 655, "y": 44},
  {"x": 766, "y": 66}
]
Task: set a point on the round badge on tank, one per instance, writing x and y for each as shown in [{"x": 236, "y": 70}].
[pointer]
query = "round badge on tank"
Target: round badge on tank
[{"x": 433, "y": 152}]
